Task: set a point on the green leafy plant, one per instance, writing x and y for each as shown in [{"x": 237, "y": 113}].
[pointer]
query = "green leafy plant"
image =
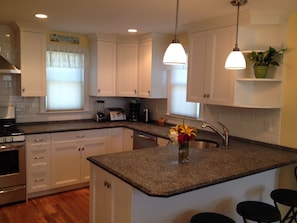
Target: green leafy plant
[{"x": 266, "y": 58}]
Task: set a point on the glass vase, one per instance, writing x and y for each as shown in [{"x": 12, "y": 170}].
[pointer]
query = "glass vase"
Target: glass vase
[{"x": 183, "y": 153}]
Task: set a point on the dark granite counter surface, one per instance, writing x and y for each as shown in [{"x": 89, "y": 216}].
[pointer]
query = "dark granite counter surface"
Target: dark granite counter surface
[
  {"x": 155, "y": 171},
  {"x": 63, "y": 126}
]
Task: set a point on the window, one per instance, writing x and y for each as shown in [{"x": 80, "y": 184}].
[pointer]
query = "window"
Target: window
[
  {"x": 65, "y": 80},
  {"x": 177, "y": 104}
]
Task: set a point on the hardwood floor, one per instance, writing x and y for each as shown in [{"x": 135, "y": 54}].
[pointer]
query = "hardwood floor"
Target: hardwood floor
[{"x": 67, "y": 207}]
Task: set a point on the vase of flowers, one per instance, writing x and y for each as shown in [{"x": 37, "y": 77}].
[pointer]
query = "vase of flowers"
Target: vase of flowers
[{"x": 181, "y": 135}]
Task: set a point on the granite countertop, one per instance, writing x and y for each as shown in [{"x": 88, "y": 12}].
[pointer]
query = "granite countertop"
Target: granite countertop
[
  {"x": 50, "y": 127},
  {"x": 156, "y": 172}
]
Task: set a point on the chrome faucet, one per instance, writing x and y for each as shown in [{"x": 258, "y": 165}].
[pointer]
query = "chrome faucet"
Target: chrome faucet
[{"x": 224, "y": 135}]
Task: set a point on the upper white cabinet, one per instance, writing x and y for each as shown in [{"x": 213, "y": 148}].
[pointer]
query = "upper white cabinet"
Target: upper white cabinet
[
  {"x": 152, "y": 76},
  {"x": 127, "y": 68},
  {"x": 210, "y": 83},
  {"x": 102, "y": 66},
  {"x": 208, "y": 80},
  {"x": 33, "y": 62}
]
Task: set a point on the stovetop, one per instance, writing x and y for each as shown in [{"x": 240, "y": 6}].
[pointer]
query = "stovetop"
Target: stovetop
[{"x": 9, "y": 132}]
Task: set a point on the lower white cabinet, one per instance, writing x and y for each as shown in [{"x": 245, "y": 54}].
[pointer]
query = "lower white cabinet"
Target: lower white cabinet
[
  {"x": 38, "y": 162},
  {"x": 69, "y": 152},
  {"x": 162, "y": 141},
  {"x": 128, "y": 140},
  {"x": 111, "y": 198}
]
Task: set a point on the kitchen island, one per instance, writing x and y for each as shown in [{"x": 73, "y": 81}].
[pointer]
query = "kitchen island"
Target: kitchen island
[{"x": 149, "y": 185}]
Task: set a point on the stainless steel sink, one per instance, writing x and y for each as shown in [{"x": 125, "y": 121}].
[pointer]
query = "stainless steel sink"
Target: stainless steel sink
[{"x": 204, "y": 144}]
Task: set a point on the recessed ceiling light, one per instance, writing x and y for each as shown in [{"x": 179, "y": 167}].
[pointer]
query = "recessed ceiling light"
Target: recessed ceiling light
[
  {"x": 40, "y": 16},
  {"x": 132, "y": 30}
]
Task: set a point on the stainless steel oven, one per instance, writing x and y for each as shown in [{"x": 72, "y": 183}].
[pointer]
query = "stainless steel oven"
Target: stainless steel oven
[{"x": 12, "y": 159}]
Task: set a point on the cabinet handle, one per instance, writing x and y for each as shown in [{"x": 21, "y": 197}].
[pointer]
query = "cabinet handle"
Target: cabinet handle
[
  {"x": 149, "y": 92},
  {"x": 38, "y": 140},
  {"x": 107, "y": 184},
  {"x": 135, "y": 91},
  {"x": 23, "y": 89},
  {"x": 99, "y": 90},
  {"x": 39, "y": 180},
  {"x": 39, "y": 157},
  {"x": 80, "y": 137}
]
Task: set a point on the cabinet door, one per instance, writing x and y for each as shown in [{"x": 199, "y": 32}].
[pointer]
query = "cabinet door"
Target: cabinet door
[
  {"x": 208, "y": 80},
  {"x": 33, "y": 68},
  {"x": 128, "y": 139},
  {"x": 145, "y": 69},
  {"x": 197, "y": 78},
  {"x": 91, "y": 146},
  {"x": 127, "y": 69},
  {"x": 115, "y": 139},
  {"x": 110, "y": 198},
  {"x": 106, "y": 69},
  {"x": 65, "y": 159}
]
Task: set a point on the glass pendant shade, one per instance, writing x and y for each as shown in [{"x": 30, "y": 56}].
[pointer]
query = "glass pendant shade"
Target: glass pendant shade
[
  {"x": 175, "y": 54},
  {"x": 235, "y": 61}
]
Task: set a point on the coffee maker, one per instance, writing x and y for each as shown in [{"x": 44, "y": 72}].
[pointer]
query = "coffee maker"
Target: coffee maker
[
  {"x": 134, "y": 111},
  {"x": 100, "y": 115}
]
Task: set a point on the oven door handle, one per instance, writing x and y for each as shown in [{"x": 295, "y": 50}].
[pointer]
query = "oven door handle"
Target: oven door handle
[
  {"x": 4, "y": 148},
  {"x": 12, "y": 189}
]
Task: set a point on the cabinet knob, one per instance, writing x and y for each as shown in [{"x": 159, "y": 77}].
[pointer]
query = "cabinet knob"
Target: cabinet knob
[
  {"x": 135, "y": 91},
  {"x": 149, "y": 92},
  {"x": 39, "y": 180},
  {"x": 99, "y": 90},
  {"x": 78, "y": 149},
  {"x": 23, "y": 89},
  {"x": 107, "y": 184}
]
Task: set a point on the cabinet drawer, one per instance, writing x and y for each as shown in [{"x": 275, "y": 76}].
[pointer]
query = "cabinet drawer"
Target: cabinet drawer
[
  {"x": 38, "y": 181},
  {"x": 39, "y": 158},
  {"x": 78, "y": 135}
]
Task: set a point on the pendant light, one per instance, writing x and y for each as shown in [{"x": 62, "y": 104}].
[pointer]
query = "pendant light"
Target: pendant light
[
  {"x": 175, "y": 53},
  {"x": 235, "y": 60}
]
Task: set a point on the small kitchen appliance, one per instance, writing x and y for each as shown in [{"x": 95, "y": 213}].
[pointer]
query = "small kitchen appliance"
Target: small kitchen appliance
[
  {"x": 134, "y": 113},
  {"x": 115, "y": 114},
  {"x": 146, "y": 115},
  {"x": 100, "y": 115},
  {"x": 12, "y": 158}
]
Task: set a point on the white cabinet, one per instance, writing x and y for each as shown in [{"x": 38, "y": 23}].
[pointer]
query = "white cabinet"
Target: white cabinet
[
  {"x": 38, "y": 162},
  {"x": 33, "y": 62},
  {"x": 208, "y": 80},
  {"x": 162, "y": 141},
  {"x": 128, "y": 140},
  {"x": 115, "y": 139},
  {"x": 102, "y": 66},
  {"x": 69, "y": 151},
  {"x": 110, "y": 198},
  {"x": 152, "y": 76},
  {"x": 127, "y": 68}
]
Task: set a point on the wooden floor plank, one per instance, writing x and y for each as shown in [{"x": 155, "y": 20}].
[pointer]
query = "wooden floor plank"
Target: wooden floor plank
[{"x": 70, "y": 206}]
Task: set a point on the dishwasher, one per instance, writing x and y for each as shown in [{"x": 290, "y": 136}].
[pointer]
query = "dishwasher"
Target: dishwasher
[{"x": 143, "y": 140}]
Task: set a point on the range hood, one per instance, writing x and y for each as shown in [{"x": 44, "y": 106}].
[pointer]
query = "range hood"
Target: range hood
[{"x": 7, "y": 67}]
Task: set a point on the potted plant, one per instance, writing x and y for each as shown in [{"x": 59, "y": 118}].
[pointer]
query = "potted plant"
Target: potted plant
[{"x": 263, "y": 59}]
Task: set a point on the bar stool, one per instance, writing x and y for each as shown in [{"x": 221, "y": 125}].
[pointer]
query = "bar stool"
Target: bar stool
[
  {"x": 288, "y": 198},
  {"x": 210, "y": 217},
  {"x": 258, "y": 211}
]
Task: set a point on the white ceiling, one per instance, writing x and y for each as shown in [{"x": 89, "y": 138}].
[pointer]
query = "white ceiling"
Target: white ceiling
[{"x": 116, "y": 16}]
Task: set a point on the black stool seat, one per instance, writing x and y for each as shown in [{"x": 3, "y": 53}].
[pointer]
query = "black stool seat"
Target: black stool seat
[
  {"x": 258, "y": 211},
  {"x": 288, "y": 198},
  {"x": 210, "y": 217}
]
